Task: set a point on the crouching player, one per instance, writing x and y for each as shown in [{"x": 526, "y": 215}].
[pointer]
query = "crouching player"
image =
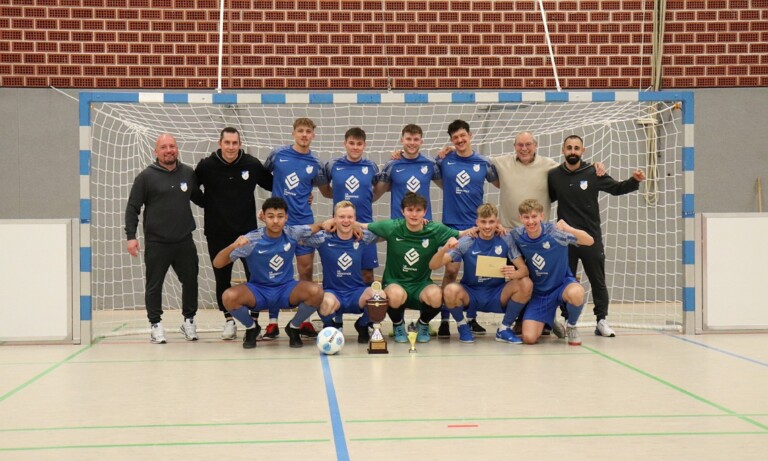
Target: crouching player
[
  {"x": 485, "y": 294},
  {"x": 545, "y": 249},
  {"x": 269, "y": 252},
  {"x": 341, "y": 255}
]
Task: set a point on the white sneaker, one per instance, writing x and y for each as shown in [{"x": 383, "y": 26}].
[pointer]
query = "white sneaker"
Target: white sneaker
[
  {"x": 157, "y": 334},
  {"x": 189, "y": 329},
  {"x": 574, "y": 339},
  {"x": 230, "y": 330},
  {"x": 602, "y": 329},
  {"x": 558, "y": 329}
]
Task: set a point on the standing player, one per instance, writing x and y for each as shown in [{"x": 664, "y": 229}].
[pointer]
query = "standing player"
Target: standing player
[
  {"x": 412, "y": 172},
  {"x": 486, "y": 294},
  {"x": 296, "y": 170},
  {"x": 229, "y": 177},
  {"x": 407, "y": 277},
  {"x": 464, "y": 173},
  {"x": 342, "y": 256},
  {"x": 576, "y": 187},
  {"x": 269, "y": 253},
  {"x": 164, "y": 190},
  {"x": 545, "y": 249}
]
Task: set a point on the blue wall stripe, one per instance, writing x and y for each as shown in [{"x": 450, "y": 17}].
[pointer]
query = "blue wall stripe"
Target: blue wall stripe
[
  {"x": 273, "y": 98},
  {"x": 339, "y": 440},
  {"x": 85, "y": 210},
  {"x": 225, "y": 98},
  {"x": 556, "y": 97},
  {"x": 603, "y": 96},
  {"x": 85, "y": 259},
  {"x": 85, "y": 162},
  {"x": 175, "y": 98},
  {"x": 688, "y": 206},
  {"x": 689, "y": 299},
  {"x": 689, "y": 252},
  {"x": 321, "y": 98},
  {"x": 510, "y": 97},
  {"x": 416, "y": 98},
  {"x": 85, "y": 308},
  {"x": 462, "y": 98},
  {"x": 688, "y": 159},
  {"x": 363, "y": 98}
]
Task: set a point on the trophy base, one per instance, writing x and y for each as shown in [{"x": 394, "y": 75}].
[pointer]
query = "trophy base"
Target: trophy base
[{"x": 377, "y": 347}]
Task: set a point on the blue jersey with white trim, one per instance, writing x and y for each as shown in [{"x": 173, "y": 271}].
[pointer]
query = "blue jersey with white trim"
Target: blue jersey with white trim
[
  {"x": 470, "y": 248},
  {"x": 341, "y": 259},
  {"x": 409, "y": 175},
  {"x": 270, "y": 260},
  {"x": 353, "y": 181},
  {"x": 294, "y": 176},
  {"x": 546, "y": 256},
  {"x": 463, "y": 187}
]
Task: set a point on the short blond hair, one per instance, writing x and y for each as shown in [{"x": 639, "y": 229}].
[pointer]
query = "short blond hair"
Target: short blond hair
[
  {"x": 304, "y": 121},
  {"x": 487, "y": 210},
  {"x": 531, "y": 204},
  {"x": 343, "y": 204}
]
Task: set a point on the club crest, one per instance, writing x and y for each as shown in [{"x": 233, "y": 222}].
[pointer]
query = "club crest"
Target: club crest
[
  {"x": 583, "y": 184},
  {"x": 497, "y": 249},
  {"x": 245, "y": 174},
  {"x": 309, "y": 169},
  {"x": 183, "y": 186},
  {"x": 287, "y": 246},
  {"x": 546, "y": 245},
  {"x": 364, "y": 170},
  {"x": 356, "y": 245},
  {"x": 425, "y": 243},
  {"x": 476, "y": 167},
  {"x": 424, "y": 169}
]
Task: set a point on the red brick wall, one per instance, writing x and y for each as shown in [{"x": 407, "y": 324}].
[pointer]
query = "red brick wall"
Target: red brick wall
[{"x": 359, "y": 44}]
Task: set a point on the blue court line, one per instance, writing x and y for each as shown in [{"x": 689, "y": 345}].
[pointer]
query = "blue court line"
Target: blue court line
[
  {"x": 342, "y": 453},
  {"x": 722, "y": 351}
]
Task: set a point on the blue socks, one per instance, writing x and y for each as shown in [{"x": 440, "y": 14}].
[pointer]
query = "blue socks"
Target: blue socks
[
  {"x": 574, "y": 312},
  {"x": 513, "y": 310},
  {"x": 243, "y": 314},
  {"x": 303, "y": 313}
]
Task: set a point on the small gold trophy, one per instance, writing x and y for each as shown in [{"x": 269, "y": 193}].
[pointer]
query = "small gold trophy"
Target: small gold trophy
[
  {"x": 377, "y": 311},
  {"x": 412, "y": 339}
]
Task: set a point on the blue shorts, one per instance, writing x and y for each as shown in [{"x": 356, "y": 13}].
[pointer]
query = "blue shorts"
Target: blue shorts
[
  {"x": 349, "y": 300},
  {"x": 486, "y": 299},
  {"x": 272, "y": 297},
  {"x": 302, "y": 250},
  {"x": 370, "y": 256},
  {"x": 542, "y": 307}
]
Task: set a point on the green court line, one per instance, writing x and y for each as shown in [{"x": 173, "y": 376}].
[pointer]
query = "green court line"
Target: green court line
[
  {"x": 162, "y": 444},
  {"x": 159, "y": 426},
  {"x": 43, "y": 373},
  {"x": 541, "y": 418},
  {"x": 678, "y": 388},
  {"x": 551, "y": 436}
]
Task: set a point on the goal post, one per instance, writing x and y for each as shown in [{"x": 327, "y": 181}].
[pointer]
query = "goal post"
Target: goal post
[{"x": 648, "y": 235}]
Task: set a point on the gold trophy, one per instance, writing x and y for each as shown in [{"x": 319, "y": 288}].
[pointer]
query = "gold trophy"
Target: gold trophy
[
  {"x": 377, "y": 311},
  {"x": 412, "y": 339}
]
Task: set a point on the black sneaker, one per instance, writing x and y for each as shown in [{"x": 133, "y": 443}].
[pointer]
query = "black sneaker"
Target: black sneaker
[
  {"x": 363, "y": 336},
  {"x": 476, "y": 328},
  {"x": 249, "y": 342},
  {"x": 444, "y": 332},
  {"x": 307, "y": 330},
  {"x": 294, "y": 337}
]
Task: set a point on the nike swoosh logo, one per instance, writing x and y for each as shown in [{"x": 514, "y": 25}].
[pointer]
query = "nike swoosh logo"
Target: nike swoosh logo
[
  {"x": 476, "y": 252},
  {"x": 339, "y": 169},
  {"x": 331, "y": 244},
  {"x": 262, "y": 252},
  {"x": 398, "y": 239},
  {"x": 451, "y": 163},
  {"x": 282, "y": 161},
  {"x": 399, "y": 171}
]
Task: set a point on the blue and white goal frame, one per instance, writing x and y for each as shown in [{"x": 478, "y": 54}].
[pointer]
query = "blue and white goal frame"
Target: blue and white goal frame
[{"x": 684, "y": 98}]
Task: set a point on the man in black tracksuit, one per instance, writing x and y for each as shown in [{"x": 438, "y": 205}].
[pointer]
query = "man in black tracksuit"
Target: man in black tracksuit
[
  {"x": 229, "y": 178},
  {"x": 576, "y": 187},
  {"x": 164, "y": 189}
]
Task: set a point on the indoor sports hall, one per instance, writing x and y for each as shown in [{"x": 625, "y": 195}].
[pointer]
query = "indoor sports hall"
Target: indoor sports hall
[{"x": 673, "y": 88}]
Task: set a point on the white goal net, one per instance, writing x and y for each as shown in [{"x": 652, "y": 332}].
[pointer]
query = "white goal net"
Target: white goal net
[{"x": 642, "y": 231}]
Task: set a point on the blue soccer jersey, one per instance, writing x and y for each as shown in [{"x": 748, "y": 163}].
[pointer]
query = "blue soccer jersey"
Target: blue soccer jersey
[
  {"x": 470, "y": 248},
  {"x": 353, "y": 181},
  {"x": 341, "y": 259},
  {"x": 545, "y": 256},
  {"x": 463, "y": 186},
  {"x": 294, "y": 176},
  {"x": 409, "y": 175},
  {"x": 270, "y": 260}
]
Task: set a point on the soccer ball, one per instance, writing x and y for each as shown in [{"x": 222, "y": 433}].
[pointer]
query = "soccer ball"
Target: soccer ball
[{"x": 330, "y": 340}]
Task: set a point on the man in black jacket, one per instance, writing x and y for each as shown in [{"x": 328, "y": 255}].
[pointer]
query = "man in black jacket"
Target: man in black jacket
[
  {"x": 576, "y": 187},
  {"x": 164, "y": 190},
  {"x": 229, "y": 178}
]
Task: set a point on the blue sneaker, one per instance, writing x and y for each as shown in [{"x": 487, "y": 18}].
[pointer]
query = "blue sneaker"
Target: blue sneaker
[
  {"x": 465, "y": 334},
  {"x": 400, "y": 335},
  {"x": 423, "y": 333},
  {"x": 506, "y": 336}
]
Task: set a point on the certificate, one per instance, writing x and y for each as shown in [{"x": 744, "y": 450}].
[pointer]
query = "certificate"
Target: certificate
[{"x": 490, "y": 266}]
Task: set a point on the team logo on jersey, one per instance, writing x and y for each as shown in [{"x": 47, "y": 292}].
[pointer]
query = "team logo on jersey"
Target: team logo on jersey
[
  {"x": 497, "y": 249},
  {"x": 287, "y": 246},
  {"x": 183, "y": 187},
  {"x": 425, "y": 243},
  {"x": 583, "y": 184},
  {"x": 356, "y": 245},
  {"x": 309, "y": 169},
  {"x": 546, "y": 245},
  {"x": 411, "y": 257},
  {"x": 364, "y": 170},
  {"x": 276, "y": 262},
  {"x": 344, "y": 261},
  {"x": 476, "y": 167},
  {"x": 291, "y": 181},
  {"x": 538, "y": 261},
  {"x": 462, "y": 179},
  {"x": 424, "y": 169},
  {"x": 413, "y": 184},
  {"x": 245, "y": 174},
  {"x": 352, "y": 184}
]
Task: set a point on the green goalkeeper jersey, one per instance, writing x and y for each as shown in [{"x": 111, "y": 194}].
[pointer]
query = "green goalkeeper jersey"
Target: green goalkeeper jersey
[{"x": 408, "y": 253}]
